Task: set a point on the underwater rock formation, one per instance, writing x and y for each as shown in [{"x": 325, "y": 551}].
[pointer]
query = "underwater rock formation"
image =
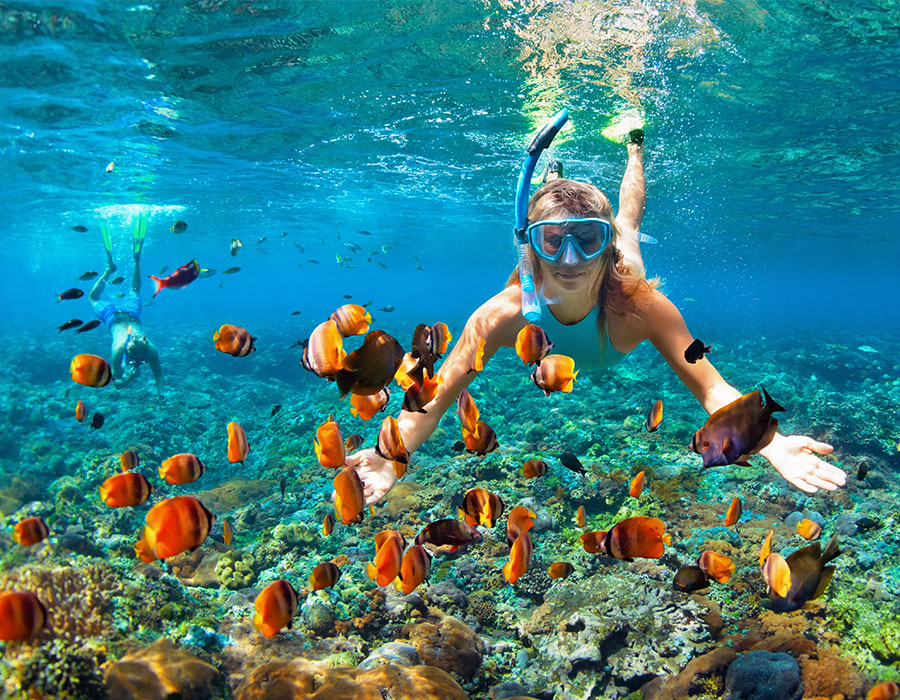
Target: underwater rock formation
[
  {"x": 161, "y": 672},
  {"x": 763, "y": 675}
]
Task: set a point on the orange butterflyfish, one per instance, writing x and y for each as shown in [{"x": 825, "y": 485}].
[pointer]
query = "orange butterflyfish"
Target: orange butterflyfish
[
  {"x": 884, "y": 691},
  {"x": 439, "y": 338},
  {"x": 482, "y": 441},
  {"x": 532, "y": 344},
  {"x": 477, "y": 362},
  {"x": 234, "y": 341},
  {"x": 80, "y": 411},
  {"x": 654, "y": 417},
  {"x": 407, "y": 365},
  {"x": 716, "y": 566},
  {"x": 324, "y": 575},
  {"x": 125, "y": 490},
  {"x": 413, "y": 569},
  {"x": 481, "y": 507},
  {"x": 143, "y": 551},
  {"x": 30, "y": 531},
  {"x": 227, "y": 532},
  {"x": 90, "y": 370},
  {"x": 389, "y": 546},
  {"x": 534, "y": 468},
  {"x": 777, "y": 574},
  {"x": 637, "y": 484},
  {"x": 640, "y": 536},
  {"x": 560, "y": 569},
  {"x": 390, "y": 441},
  {"x": 733, "y": 514},
  {"x": 182, "y": 468},
  {"x": 580, "y": 517},
  {"x": 351, "y": 319},
  {"x": 400, "y": 468},
  {"x": 349, "y": 500},
  {"x": 766, "y": 548},
  {"x": 329, "y": 445},
  {"x": 324, "y": 353},
  {"x": 808, "y": 529},
  {"x": 353, "y": 442},
  {"x": 275, "y": 607},
  {"x": 22, "y": 615},
  {"x": 129, "y": 460},
  {"x": 176, "y": 525},
  {"x": 467, "y": 411},
  {"x": 370, "y": 368},
  {"x": 519, "y": 558},
  {"x": 519, "y": 520},
  {"x": 420, "y": 395},
  {"x": 327, "y": 524},
  {"x": 366, "y": 407},
  {"x": 238, "y": 449},
  {"x": 555, "y": 373}
]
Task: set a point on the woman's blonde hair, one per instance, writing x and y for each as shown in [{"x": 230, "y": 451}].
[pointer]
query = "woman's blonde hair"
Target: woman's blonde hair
[{"x": 620, "y": 289}]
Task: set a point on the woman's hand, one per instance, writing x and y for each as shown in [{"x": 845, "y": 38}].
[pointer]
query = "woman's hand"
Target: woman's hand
[
  {"x": 795, "y": 459},
  {"x": 376, "y": 473}
]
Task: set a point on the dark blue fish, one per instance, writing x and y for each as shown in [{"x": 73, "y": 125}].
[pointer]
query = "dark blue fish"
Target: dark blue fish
[
  {"x": 97, "y": 421},
  {"x": 89, "y": 275},
  {"x": 809, "y": 576},
  {"x": 572, "y": 463},
  {"x": 89, "y": 326},
  {"x": 74, "y": 323}
]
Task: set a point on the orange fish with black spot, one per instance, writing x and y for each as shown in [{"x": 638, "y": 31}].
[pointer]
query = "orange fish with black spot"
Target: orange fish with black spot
[
  {"x": 327, "y": 524},
  {"x": 349, "y": 500},
  {"x": 80, "y": 411},
  {"x": 365, "y": 407},
  {"x": 324, "y": 353},
  {"x": 390, "y": 442},
  {"x": 402, "y": 375},
  {"x": 369, "y": 368},
  {"x": 808, "y": 529},
  {"x": 439, "y": 339},
  {"x": 637, "y": 537},
  {"x": 353, "y": 442},
  {"x": 90, "y": 370},
  {"x": 275, "y": 607},
  {"x": 637, "y": 485},
  {"x": 234, "y": 341},
  {"x": 420, "y": 395},
  {"x": 467, "y": 411},
  {"x": 329, "y": 444},
  {"x": 129, "y": 460},
  {"x": 125, "y": 490},
  {"x": 30, "y": 531},
  {"x": 716, "y": 566},
  {"x": 482, "y": 441},
  {"x": 519, "y": 520},
  {"x": 733, "y": 514},
  {"x": 389, "y": 546},
  {"x": 561, "y": 569},
  {"x": 555, "y": 373},
  {"x": 183, "y": 468},
  {"x": 654, "y": 417},
  {"x": 351, "y": 319},
  {"x": 325, "y": 575},
  {"x": 519, "y": 558},
  {"x": 22, "y": 615},
  {"x": 534, "y": 468},
  {"x": 177, "y": 525},
  {"x": 414, "y": 569},
  {"x": 580, "y": 517},
  {"x": 238, "y": 449},
  {"x": 884, "y": 691},
  {"x": 532, "y": 344},
  {"x": 481, "y": 507}
]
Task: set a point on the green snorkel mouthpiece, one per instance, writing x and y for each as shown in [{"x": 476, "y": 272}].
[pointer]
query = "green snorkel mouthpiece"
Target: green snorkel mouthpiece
[{"x": 531, "y": 307}]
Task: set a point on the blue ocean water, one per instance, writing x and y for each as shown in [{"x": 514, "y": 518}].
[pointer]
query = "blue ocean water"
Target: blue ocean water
[{"x": 772, "y": 155}]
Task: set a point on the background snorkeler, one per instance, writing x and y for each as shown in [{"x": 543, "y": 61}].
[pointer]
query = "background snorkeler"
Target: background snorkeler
[
  {"x": 130, "y": 346},
  {"x": 592, "y": 296}
]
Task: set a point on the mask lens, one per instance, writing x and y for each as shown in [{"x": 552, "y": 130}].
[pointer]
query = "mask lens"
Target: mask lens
[{"x": 589, "y": 235}]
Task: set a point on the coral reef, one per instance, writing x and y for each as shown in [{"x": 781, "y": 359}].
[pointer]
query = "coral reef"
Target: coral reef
[
  {"x": 161, "y": 672},
  {"x": 235, "y": 569}
]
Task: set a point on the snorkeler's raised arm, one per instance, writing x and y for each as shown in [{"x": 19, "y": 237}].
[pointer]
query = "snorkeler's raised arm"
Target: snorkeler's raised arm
[
  {"x": 793, "y": 456},
  {"x": 632, "y": 201}
]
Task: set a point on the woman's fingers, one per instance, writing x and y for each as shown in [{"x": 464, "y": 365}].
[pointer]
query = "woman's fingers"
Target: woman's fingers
[
  {"x": 823, "y": 448},
  {"x": 831, "y": 473},
  {"x": 820, "y": 483}
]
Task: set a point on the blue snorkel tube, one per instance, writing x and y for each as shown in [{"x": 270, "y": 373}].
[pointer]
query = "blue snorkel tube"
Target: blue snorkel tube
[{"x": 531, "y": 307}]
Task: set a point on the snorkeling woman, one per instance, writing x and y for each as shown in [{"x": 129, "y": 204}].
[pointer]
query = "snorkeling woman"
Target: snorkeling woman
[
  {"x": 595, "y": 305},
  {"x": 130, "y": 346}
]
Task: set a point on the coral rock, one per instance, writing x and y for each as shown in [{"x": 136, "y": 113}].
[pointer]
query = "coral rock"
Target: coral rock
[
  {"x": 160, "y": 672},
  {"x": 763, "y": 675},
  {"x": 450, "y": 645},
  {"x": 831, "y": 675},
  {"x": 704, "y": 671}
]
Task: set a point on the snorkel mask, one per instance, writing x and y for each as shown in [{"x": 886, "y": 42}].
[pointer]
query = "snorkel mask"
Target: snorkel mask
[{"x": 531, "y": 307}]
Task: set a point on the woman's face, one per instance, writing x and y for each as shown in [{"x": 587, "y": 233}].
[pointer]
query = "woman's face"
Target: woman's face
[{"x": 571, "y": 274}]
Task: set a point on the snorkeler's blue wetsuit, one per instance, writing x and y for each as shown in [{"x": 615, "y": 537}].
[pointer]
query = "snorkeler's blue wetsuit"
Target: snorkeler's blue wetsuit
[
  {"x": 580, "y": 341},
  {"x": 107, "y": 310}
]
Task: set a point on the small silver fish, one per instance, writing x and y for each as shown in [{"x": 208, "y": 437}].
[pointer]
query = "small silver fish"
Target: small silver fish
[{"x": 867, "y": 348}]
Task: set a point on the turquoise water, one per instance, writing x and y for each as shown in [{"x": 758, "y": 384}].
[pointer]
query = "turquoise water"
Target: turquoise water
[{"x": 772, "y": 155}]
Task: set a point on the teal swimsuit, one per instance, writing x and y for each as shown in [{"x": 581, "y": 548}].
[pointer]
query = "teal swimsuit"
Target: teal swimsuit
[{"x": 580, "y": 341}]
